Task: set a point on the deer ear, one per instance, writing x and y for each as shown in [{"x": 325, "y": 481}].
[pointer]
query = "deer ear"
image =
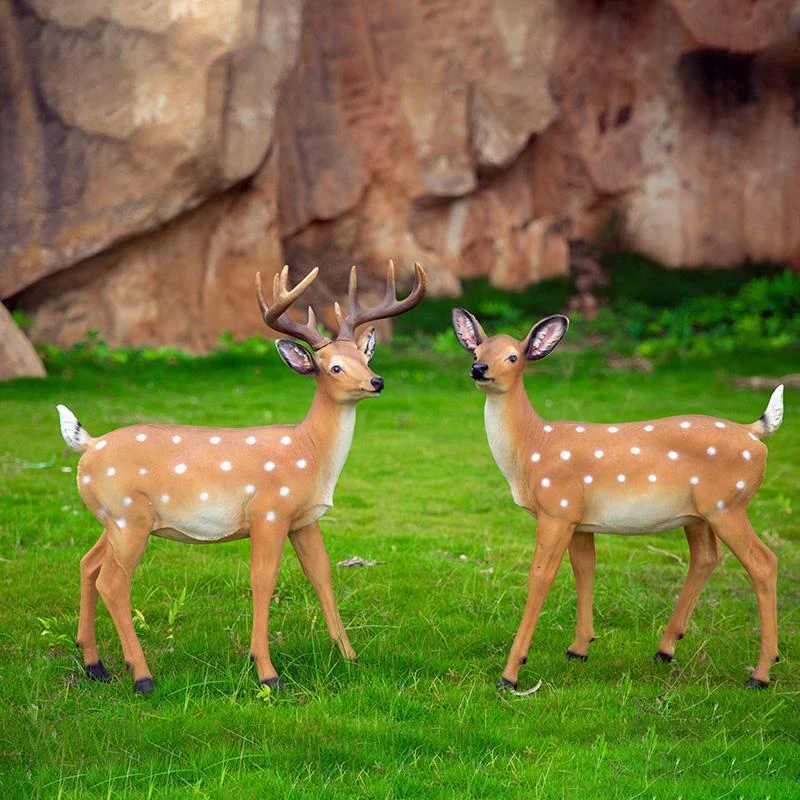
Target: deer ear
[
  {"x": 544, "y": 337},
  {"x": 366, "y": 343},
  {"x": 468, "y": 330},
  {"x": 296, "y": 357}
]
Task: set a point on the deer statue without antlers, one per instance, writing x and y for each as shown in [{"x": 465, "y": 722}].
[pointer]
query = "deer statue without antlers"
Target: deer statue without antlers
[
  {"x": 202, "y": 485},
  {"x": 579, "y": 479}
]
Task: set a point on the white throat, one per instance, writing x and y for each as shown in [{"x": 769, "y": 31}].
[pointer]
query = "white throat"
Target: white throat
[
  {"x": 340, "y": 447},
  {"x": 500, "y": 443}
]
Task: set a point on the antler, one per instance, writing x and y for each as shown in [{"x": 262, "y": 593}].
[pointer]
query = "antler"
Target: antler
[
  {"x": 390, "y": 307},
  {"x": 282, "y": 298}
]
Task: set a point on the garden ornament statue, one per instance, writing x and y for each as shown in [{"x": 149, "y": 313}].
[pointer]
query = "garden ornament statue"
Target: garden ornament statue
[
  {"x": 579, "y": 478},
  {"x": 196, "y": 484}
]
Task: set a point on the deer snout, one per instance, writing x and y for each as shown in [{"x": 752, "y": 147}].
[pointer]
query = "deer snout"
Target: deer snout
[
  {"x": 377, "y": 383},
  {"x": 479, "y": 370}
]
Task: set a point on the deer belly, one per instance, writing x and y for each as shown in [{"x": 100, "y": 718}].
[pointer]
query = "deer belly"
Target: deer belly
[
  {"x": 630, "y": 515},
  {"x": 209, "y": 523}
]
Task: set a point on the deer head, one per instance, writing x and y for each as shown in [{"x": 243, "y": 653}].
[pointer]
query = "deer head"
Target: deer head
[
  {"x": 499, "y": 361},
  {"x": 340, "y": 365}
]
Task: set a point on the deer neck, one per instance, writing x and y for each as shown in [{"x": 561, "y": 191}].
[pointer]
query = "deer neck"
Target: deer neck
[
  {"x": 328, "y": 427},
  {"x": 510, "y": 422}
]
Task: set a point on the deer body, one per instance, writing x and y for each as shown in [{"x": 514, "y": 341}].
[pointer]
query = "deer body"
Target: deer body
[
  {"x": 208, "y": 485},
  {"x": 579, "y": 478}
]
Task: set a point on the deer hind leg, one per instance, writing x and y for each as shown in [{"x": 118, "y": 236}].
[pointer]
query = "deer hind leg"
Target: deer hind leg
[
  {"x": 582, "y": 559},
  {"x": 734, "y": 528},
  {"x": 552, "y": 538},
  {"x": 704, "y": 555},
  {"x": 266, "y": 542},
  {"x": 316, "y": 565},
  {"x": 123, "y": 551},
  {"x": 87, "y": 642}
]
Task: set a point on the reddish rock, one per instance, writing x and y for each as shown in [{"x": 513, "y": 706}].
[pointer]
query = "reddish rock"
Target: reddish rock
[
  {"x": 18, "y": 358},
  {"x": 477, "y": 137}
]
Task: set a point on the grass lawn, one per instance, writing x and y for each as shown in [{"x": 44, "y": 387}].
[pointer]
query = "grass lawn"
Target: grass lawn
[{"x": 419, "y": 717}]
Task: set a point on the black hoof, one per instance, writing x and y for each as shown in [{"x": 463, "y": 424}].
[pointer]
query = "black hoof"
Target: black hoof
[
  {"x": 504, "y": 684},
  {"x": 663, "y": 658},
  {"x": 755, "y": 683},
  {"x": 274, "y": 684},
  {"x": 97, "y": 672},
  {"x": 573, "y": 656},
  {"x": 777, "y": 659},
  {"x": 523, "y": 661},
  {"x": 143, "y": 686}
]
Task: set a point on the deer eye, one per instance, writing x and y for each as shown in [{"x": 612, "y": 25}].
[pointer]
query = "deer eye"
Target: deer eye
[
  {"x": 512, "y": 358},
  {"x": 336, "y": 369}
]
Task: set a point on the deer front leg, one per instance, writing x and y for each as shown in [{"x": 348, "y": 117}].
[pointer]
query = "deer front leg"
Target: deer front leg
[
  {"x": 704, "y": 555},
  {"x": 582, "y": 559},
  {"x": 122, "y": 554},
  {"x": 266, "y": 540},
  {"x": 87, "y": 642},
  {"x": 316, "y": 565},
  {"x": 735, "y": 530},
  {"x": 552, "y": 537}
]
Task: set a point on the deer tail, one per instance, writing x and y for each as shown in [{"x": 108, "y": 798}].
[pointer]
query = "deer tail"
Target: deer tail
[
  {"x": 75, "y": 435},
  {"x": 771, "y": 419}
]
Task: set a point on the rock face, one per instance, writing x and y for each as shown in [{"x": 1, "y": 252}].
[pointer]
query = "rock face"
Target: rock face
[{"x": 155, "y": 155}]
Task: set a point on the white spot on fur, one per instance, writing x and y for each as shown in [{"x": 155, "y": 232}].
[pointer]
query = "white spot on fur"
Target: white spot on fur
[
  {"x": 165, "y": 498},
  {"x": 250, "y": 440},
  {"x": 204, "y": 496},
  {"x": 566, "y": 455},
  {"x": 712, "y": 451},
  {"x": 548, "y": 428},
  {"x": 613, "y": 429},
  {"x": 180, "y": 469},
  {"x": 721, "y": 505},
  {"x": 249, "y": 489},
  {"x": 635, "y": 451},
  {"x": 126, "y": 501},
  {"x": 546, "y": 482},
  {"x": 111, "y": 472},
  {"x": 302, "y": 463},
  {"x": 214, "y": 440},
  {"x": 286, "y": 439},
  {"x": 686, "y": 424},
  {"x": 598, "y": 454},
  {"x": 719, "y": 424},
  {"x": 143, "y": 471},
  {"x": 673, "y": 456},
  {"x": 580, "y": 429},
  {"x": 746, "y": 455},
  {"x": 284, "y": 491},
  {"x": 121, "y": 523},
  {"x": 535, "y": 457},
  {"x": 740, "y": 484},
  {"x": 564, "y": 503},
  {"x": 694, "y": 480},
  {"x": 621, "y": 478},
  {"x": 588, "y": 479},
  {"x": 651, "y": 478},
  {"x": 141, "y": 437},
  {"x": 269, "y": 466},
  {"x": 86, "y": 479},
  {"x": 648, "y": 428},
  {"x": 101, "y": 444},
  {"x": 102, "y": 512},
  {"x": 270, "y": 517},
  {"x": 176, "y": 439},
  {"x": 226, "y": 466}
]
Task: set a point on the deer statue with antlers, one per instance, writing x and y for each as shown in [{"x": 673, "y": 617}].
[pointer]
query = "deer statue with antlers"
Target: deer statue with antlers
[
  {"x": 578, "y": 479},
  {"x": 202, "y": 485}
]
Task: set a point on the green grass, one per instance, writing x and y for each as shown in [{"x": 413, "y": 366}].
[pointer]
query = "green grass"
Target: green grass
[{"x": 419, "y": 717}]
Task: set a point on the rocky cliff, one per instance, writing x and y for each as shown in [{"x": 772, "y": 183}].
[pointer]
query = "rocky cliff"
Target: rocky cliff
[{"x": 154, "y": 155}]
